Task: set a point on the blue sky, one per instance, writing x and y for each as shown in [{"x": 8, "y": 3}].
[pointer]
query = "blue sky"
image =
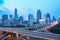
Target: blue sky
[{"x": 31, "y": 6}]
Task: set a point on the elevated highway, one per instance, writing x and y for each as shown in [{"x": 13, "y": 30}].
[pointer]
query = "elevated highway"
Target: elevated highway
[{"x": 43, "y": 35}]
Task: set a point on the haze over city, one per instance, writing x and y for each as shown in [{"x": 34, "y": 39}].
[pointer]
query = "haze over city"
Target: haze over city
[
  {"x": 26, "y": 7},
  {"x": 29, "y": 19}
]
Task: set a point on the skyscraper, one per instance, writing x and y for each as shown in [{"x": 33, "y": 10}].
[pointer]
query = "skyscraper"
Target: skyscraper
[
  {"x": 5, "y": 21},
  {"x": 20, "y": 19},
  {"x": 48, "y": 18},
  {"x": 15, "y": 14},
  {"x": 4, "y": 17},
  {"x": 59, "y": 19},
  {"x": 39, "y": 16},
  {"x": 15, "y": 17},
  {"x": 53, "y": 19},
  {"x": 30, "y": 19},
  {"x": 11, "y": 17}
]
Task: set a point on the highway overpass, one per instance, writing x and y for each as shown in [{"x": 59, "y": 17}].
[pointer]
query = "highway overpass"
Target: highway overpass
[{"x": 43, "y": 35}]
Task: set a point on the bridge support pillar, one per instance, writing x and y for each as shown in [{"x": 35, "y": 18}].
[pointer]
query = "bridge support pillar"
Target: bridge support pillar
[
  {"x": 15, "y": 36},
  {"x": 28, "y": 38},
  {"x": 0, "y": 33}
]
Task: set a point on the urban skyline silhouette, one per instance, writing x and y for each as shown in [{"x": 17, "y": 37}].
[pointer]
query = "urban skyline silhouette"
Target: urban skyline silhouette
[{"x": 26, "y": 7}]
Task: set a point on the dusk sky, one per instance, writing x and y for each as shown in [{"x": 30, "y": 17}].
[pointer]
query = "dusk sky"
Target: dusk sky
[{"x": 31, "y": 6}]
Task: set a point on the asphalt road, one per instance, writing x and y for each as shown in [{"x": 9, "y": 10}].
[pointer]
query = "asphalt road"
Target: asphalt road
[{"x": 42, "y": 35}]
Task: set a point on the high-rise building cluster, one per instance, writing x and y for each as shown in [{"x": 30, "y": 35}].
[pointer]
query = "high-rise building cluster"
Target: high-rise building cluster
[{"x": 13, "y": 21}]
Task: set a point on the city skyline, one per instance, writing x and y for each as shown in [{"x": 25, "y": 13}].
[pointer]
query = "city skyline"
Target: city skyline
[
  {"x": 26, "y": 7},
  {"x": 16, "y": 16},
  {"x": 10, "y": 20},
  {"x": 29, "y": 19}
]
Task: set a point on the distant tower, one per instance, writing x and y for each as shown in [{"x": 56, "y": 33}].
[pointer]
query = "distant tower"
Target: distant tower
[
  {"x": 59, "y": 19},
  {"x": 30, "y": 19},
  {"x": 15, "y": 14},
  {"x": 20, "y": 19},
  {"x": 48, "y": 18},
  {"x": 53, "y": 19},
  {"x": 15, "y": 17},
  {"x": 11, "y": 17},
  {"x": 4, "y": 17},
  {"x": 39, "y": 16},
  {"x": 5, "y": 20}
]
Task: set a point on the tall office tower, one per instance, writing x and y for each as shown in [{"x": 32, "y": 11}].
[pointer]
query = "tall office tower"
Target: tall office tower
[
  {"x": 20, "y": 19},
  {"x": 11, "y": 19},
  {"x": 15, "y": 14},
  {"x": 30, "y": 19},
  {"x": 4, "y": 17},
  {"x": 48, "y": 18},
  {"x": 5, "y": 21},
  {"x": 59, "y": 19},
  {"x": 45, "y": 19},
  {"x": 53, "y": 19},
  {"x": 39, "y": 16}
]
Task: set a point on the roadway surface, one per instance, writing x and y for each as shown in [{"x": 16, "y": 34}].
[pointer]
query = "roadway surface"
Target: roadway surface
[
  {"x": 3, "y": 36},
  {"x": 42, "y": 35},
  {"x": 46, "y": 28}
]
